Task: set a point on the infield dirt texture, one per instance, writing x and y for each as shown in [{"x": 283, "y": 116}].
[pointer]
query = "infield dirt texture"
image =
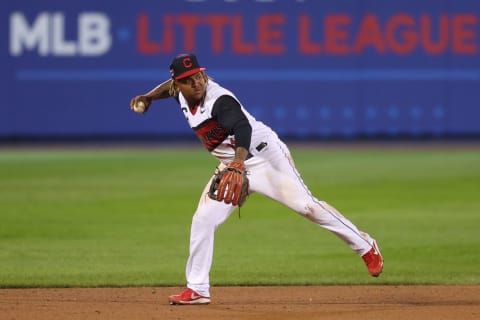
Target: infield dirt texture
[{"x": 242, "y": 303}]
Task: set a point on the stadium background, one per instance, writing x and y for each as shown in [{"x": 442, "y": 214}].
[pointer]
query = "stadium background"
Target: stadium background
[{"x": 310, "y": 69}]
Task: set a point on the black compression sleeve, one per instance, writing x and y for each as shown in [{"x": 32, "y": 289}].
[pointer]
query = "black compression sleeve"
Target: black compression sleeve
[{"x": 229, "y": 114}]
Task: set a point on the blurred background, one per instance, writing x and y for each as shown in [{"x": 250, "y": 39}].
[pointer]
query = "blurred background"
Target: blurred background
[{"x": 312, "y": 70}]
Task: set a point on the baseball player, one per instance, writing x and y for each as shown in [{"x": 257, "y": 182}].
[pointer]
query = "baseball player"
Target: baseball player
[{"x": 242, "y": 145}]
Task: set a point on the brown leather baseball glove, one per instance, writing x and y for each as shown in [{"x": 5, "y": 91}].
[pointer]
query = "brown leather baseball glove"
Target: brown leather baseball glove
[{"x": 230, "y": 185}]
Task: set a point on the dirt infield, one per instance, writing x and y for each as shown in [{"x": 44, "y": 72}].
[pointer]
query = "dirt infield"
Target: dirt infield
[{"x": 265, "y": 303}]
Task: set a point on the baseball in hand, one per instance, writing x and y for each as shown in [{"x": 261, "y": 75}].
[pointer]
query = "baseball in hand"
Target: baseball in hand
[{"x": 139, "y": 107}]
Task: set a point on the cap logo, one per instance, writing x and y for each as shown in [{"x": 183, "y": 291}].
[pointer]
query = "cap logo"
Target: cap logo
[
  {"x": 184, "y": 65},
  {"x": 187, "y": 62}
]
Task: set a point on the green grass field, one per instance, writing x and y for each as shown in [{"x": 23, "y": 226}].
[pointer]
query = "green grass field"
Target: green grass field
[{"x": 122, "y": 218}]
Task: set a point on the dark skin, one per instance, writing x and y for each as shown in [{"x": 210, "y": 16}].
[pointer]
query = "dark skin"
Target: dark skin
[{"x": 193, "y": 88}]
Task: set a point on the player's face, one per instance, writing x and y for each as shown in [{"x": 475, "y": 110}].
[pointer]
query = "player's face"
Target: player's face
[{"x": 193, "y": 87}]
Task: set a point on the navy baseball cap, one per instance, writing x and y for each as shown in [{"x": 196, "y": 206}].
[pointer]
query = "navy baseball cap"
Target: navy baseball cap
[{"x": 184, "y": 65}]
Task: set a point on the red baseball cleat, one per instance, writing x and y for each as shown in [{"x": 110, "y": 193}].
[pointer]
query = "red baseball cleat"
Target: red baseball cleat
[
  {"x": 374, "y": 261},
  {"x": 188, "y": 296}
]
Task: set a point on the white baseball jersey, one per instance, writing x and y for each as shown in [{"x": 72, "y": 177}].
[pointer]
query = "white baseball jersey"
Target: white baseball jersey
[{"x": 213, "y": 136}]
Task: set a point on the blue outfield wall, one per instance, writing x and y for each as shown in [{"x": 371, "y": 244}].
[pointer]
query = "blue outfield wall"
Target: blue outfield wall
[{"x": 310, "y": 69}]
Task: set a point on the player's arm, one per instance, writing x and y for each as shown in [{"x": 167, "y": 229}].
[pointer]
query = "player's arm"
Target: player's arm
[
  {"x": 229, "y": 114},
  {"x": 233, "y": 185},
  {"x": 162, "y": 91}
]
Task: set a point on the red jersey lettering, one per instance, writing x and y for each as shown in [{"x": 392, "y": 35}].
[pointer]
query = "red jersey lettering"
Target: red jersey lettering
[{"x": 211, "y": 133}]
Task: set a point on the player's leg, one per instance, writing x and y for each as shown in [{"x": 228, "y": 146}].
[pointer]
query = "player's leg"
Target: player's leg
[
  {"x": 208, "y": 216},
  {"x": 280, "y": 180}
]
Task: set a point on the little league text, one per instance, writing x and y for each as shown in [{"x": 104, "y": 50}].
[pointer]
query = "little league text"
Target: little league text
[{"x": 334, "y": 34}]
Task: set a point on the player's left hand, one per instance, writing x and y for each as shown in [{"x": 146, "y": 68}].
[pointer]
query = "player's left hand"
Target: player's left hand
[{"x": 231, "y": 185}]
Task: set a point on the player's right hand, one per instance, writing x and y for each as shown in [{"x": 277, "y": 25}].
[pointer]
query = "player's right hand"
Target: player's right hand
[{"x": 145, "y": 99}]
